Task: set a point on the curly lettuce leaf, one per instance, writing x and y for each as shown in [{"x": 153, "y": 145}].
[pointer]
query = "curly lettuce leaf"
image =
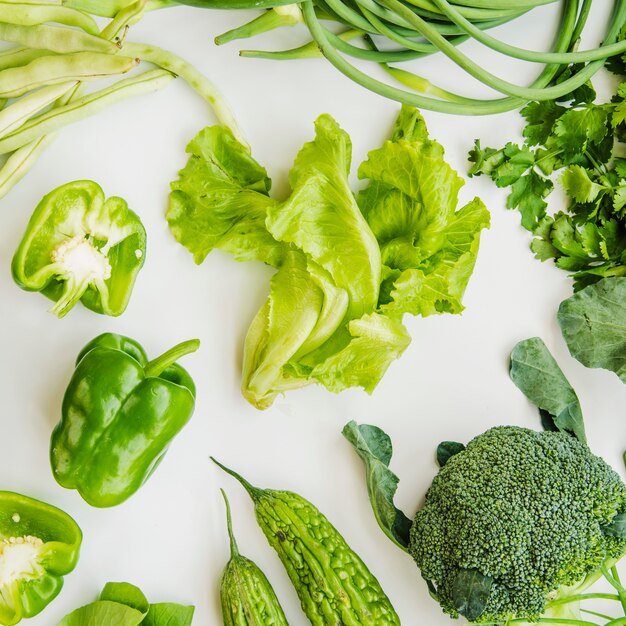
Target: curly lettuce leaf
[
  {"x": 321, "y": 217},
  {"x": 428, "y": 247},
  {"x": 346, "y": 271},
  {"x": 376, "y": 341},
  {"x": 593, "y": 323},
  {"x": 220, "y": 200}
]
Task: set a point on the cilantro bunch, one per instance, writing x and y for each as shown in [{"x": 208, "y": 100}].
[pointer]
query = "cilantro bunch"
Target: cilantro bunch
[{"x": 577, "y": 143}]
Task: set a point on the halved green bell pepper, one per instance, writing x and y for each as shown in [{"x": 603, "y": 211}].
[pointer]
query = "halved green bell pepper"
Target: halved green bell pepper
[
  {"x": 39, "y": 544},
  {"x": 79, "y": 246},
  {"x": 120, "y": 413}
]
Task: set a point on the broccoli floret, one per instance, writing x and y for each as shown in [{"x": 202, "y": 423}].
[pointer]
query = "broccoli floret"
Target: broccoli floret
[{"x": 529, "y": 514}]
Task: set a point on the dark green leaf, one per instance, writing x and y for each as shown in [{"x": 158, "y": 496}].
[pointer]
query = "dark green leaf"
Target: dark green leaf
[
  {"x": 617, "y": 528},
  {"x": 527, "y": 195},
  {"x": 168, "y": 614},
  {"x": 446, "y": 450},
  {"x": 578, "y": 128},
  {"x": 374, "y": 447},
  {"x": 470, "y": 593},
  {"x": 538, "y": 376},
  {"x": 593, "y": 323},
  {"x": 540, "y": 117}
]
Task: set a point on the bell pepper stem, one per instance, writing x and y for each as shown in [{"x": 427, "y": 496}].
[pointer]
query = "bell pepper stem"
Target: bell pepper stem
[
  {"x": 157, "y": 366},
  {"x": 234, "y": 549}
]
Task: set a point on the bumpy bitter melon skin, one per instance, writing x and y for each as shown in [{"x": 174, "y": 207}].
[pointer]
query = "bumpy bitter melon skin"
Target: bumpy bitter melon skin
[
  {"x": 334, "y": 585},
  {"x": 247, "y": 596}
]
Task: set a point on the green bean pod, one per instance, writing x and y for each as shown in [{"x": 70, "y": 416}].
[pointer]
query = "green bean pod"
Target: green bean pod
[
  {"x": 53, "y": 69},
  {"x": 335, "y": 587},
  {"x": 246, "y": 596},
  {"x": 28, "y": 14},
  {"x": 55, "y": 38},
  {"x": 90, "y": 104}
]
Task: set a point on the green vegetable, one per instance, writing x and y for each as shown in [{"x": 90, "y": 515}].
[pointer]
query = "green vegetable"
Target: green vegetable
[
  {"x": 59, "y": 49},
  {"x": 420, "y": 28},
  {"x": 123, "y": 604},
  {"x": 515, "y": 526},
  {"x": 347, "y": 269},
  {"x": 578, "y": 142},
  {"x": 593, "y": 323},
  {"x": 120, "y": 414},
  {"x": 247, "y": 597},
  {"x": 39, "y": 544},
  {"x": 536, "y": 373},
  {"x": 79, "y": 246},
  {"x": 333, "y": 584}
]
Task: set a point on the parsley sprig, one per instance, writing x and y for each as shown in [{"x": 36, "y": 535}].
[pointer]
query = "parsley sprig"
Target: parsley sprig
[{"x": 575, "y": 142}]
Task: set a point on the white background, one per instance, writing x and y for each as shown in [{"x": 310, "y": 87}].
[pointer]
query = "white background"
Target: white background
[{"x": 452, "y": 382}]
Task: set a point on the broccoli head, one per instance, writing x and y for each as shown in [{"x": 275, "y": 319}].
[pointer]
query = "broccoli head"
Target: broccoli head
[{"x": 514, "y": 520}]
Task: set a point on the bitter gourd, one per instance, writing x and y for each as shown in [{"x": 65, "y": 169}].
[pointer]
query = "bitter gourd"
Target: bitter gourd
[
  {"x": 246, "y": 596},
  {"x": 334, "y": 585}
]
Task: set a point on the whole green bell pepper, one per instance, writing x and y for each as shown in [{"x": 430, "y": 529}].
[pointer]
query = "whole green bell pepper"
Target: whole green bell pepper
[
  {"x": 39, "y": 544},
  {"x": 79, "y": 246},
  {"x": 119, "y": 415}
]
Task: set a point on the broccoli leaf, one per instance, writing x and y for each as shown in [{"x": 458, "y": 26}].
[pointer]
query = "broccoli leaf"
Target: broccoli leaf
[
  {"x": 446, "y": 450},
  {"x": 374, "y": 447},
  {"x": 471, "y": 592},
  {"x": 538, "y": 376},
  {"x": 617, "y": 528},
  {"x": 593, "y": 323}
]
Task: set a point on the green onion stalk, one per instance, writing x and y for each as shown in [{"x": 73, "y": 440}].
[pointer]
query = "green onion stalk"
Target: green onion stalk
[{"x": 411, "y": 29}]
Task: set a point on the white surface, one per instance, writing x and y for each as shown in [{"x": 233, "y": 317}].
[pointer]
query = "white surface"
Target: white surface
[{"x": 452, "y": 382}]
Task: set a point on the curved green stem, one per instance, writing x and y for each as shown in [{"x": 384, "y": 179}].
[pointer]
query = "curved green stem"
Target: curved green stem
[
  {"x": 234, "y": 549},
  {"x": 583, "y": 56},
  {"x": 198, "y": 81},
  {"x": 157, "y": 366}
]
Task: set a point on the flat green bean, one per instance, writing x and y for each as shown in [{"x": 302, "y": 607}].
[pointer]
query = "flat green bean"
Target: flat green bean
[
  {"x": 28, "y": 14},
  {"x": 58, "y": 117},
  {"x": 18, "y": 57},
  {"x": 14, "y": 115},
  {"x": 55, "y": 38},
  {"x": 50, "y": 70}
]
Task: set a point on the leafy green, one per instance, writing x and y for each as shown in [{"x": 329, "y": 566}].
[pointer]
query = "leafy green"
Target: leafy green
[
  {"x": 348, "y": 269},
  {"x": 470, "y": 593},
  {"x": 538, "y": 376},
  {"x": 374, "y": 447},
  {"x": 123, "y": 604},
  {"x": 168, "y": 614},
  {"x": 428, "y": 247},
  {"x": 446, "y": 450},
  {"x": 577, "y": 143},
  {"x": 103, "y": 613},
  {"x": 322, "y": 214},
  {"x": 220, "y": 200},
  {"x": 593, "y": 323}
]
